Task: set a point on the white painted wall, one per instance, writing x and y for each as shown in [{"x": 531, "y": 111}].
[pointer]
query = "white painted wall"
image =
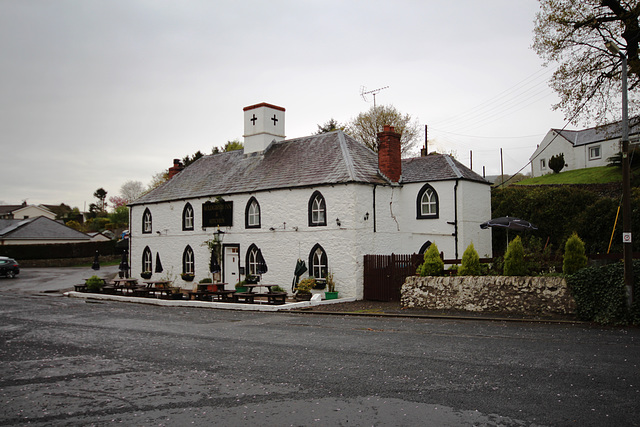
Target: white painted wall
[{"x": 396, "y": 230}]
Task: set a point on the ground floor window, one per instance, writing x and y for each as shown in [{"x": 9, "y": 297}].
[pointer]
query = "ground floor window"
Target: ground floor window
[
  {"x": 318, "y": 262},
  {"x": 147, "y": 260},
  {"x": 188, "y": 261}
]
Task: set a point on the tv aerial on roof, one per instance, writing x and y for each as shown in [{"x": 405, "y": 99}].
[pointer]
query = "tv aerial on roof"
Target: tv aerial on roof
[{"x": 364, "y": 92}]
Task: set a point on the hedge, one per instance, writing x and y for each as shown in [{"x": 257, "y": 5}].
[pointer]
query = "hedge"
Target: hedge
[{"x": 59, "y": 250}]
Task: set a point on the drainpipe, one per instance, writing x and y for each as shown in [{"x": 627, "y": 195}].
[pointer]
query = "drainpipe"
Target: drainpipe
[
  {"x": 455, "y": 215},
  {"x": 374, "y": 208}
]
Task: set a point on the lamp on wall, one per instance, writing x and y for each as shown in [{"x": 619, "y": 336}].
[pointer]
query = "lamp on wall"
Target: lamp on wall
[
  {"x": 338, "y": 221},
  {"x": 366, "y": 216}
]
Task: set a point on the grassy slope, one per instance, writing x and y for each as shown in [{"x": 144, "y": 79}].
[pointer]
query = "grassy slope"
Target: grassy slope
[{"x": 600, "y": 175}]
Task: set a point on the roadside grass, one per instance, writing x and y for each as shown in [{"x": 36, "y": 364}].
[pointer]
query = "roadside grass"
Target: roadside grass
[{"x": 599, "y": 175}]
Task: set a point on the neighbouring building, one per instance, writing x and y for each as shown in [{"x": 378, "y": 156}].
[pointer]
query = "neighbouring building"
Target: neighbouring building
[
  {"x": 582, "y": 149},
  {"x": 325, "y": 199},
  {"x": 25, "y": 211},
  {"x": 39, "y": 230}
]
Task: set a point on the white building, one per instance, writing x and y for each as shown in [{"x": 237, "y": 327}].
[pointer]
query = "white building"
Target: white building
[
  {"x": 325, "y": 199},
  {"x": 586, "y": 148}
]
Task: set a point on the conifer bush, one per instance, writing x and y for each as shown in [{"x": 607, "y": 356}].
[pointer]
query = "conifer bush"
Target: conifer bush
[
  {"x": 470, "y": 262},
  {"x": 574, "y": 255},
  {"x": 514, "y": 264},
  {"x": 433, "y": 265}
]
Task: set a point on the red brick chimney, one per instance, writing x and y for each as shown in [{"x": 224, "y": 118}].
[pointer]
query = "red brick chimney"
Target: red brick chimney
[
  {"x": 389, "y": 153},
  {"x": 176, "y": 168}
]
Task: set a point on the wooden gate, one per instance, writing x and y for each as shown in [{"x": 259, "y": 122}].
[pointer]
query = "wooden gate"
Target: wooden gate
[{"x": 385, "y": 274}]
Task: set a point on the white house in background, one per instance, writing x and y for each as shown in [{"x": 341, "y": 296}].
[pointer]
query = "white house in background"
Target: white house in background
[
  {"x": 325, "y": 199},
  {"x": 582, "y": 149},
  {"x": 25, "y": 211}
]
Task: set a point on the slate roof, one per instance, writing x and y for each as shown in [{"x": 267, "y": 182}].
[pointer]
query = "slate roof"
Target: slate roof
[
  {"x": 329, "y": 158},
  {"x": 599, "y": 133},
  {"x": 39, "y": 228}
]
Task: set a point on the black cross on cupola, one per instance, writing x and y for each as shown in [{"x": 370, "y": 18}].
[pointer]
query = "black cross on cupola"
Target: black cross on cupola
[
  {"x": 275, "y": 120},
  {"x": 253, "y": 119}
]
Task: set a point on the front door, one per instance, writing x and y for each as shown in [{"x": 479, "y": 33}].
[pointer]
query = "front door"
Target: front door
[{"x": 231, "y": 267}]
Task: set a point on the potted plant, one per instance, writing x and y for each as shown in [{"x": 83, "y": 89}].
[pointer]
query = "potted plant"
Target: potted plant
[
  {"x": 331, "y": 288},
  {"x": 240, "y": 286},
  {"x": 146, "y": 275},
  {"x": 187, "y": 277},
  {"x": 176, "y": 292},
  {"x": 320, "y": 284},
  {"x": 94, "y": 284},
  {"x": 303, "y": 289},
  {"x": 251, "y": 280}
]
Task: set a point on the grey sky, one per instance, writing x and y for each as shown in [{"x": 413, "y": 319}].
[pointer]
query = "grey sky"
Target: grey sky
[{"x": 98, "y": 92}]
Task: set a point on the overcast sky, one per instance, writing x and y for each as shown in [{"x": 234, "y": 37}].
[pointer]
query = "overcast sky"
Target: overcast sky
[{"x": 94, "y": 93}]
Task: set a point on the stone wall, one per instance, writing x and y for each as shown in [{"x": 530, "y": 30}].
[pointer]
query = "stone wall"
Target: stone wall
[{"x": 507, "y": 294}]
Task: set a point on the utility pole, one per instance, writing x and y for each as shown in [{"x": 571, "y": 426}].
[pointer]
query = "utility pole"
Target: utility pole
[{"x": 501, "y": 168}]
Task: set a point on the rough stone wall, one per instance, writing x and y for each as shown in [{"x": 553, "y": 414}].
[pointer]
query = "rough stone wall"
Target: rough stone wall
[{"x": 522, "y": 295}]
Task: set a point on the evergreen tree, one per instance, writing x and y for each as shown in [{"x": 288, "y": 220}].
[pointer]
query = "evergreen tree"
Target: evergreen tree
[
  {"x": 574, "y": 255},
  {"x": 514, "y": 259},
  {"x": 433, "y": 264},
  {"x": 470, "y": 262}
]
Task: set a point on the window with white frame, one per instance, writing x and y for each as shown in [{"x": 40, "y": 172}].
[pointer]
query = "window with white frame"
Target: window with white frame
[
  {"x": 146, "y": 222},
  {"x": 252, "y": 260},
  {"x": 595, "y": 153},
  {"x": 318, "y": 262},
  {"x": 427, "y": 203},
  {"x": 188, "y": 261},
  {"x": 317, "y": 210},
  {"x": 187, "y": 217},
  {"x": 147, "y": 260},
  {"x": 252, "y": 214}
]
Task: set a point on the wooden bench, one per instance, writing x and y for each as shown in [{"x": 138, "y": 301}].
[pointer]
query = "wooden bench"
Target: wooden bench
[
  {"x": 80, "y": 288},
  {"x": 246, "y": 297},
  {"x": 276, "y": 298}
]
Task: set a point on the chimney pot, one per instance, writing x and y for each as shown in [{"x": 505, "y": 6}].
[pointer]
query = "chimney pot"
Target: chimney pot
[
  {"x": 176, "y": 168},
  {"x": 389, "y": 158}
]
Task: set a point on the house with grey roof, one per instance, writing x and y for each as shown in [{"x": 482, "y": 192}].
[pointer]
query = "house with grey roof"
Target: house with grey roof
[
  {"x": 586, "y": 148},
  {"x": 323, "y": 199},
  {"x": 38, "y": 230}
]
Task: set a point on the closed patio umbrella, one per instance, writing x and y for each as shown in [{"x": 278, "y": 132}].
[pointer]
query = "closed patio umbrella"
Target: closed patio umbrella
[
  {"x": 261, "y": 265},
  {"x": 158, "y": 263},
  {"x": 124, "y": 264},
  {"x": 301, "y": 268},
  {"x": 214, "y": 266},
  {"x": 96, "y": 262}
]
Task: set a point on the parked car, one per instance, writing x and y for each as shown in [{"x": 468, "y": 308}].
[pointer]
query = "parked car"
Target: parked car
[{"x": 9, "y": 267}]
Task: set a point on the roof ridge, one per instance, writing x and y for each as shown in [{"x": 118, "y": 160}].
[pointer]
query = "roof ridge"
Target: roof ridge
[
  {"x": 454, "y": 167},
  {"x": 346, "y": 154}
]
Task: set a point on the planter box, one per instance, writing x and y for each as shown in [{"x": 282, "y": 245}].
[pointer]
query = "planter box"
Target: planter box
[{"x": 331, "y": 295}]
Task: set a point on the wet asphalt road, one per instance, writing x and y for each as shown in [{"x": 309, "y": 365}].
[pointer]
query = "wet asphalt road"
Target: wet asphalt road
[{"x": 66, "y": 361}]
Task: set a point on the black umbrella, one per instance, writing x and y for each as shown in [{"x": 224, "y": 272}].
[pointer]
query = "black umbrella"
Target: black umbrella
[
  {"x": 261, "y": 265},
  {"x": 301, "y": 268},
  {"x": 96, "y": 263},
  {"x": 510, "y": 223},
  {"x": 124, "y": 264},
  {"x": 214, "y": 266},
  {"x": 158, "y": 263}
]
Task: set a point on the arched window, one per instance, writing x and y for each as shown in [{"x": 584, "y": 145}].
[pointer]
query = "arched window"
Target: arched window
[
  {"x": 427, "y": 203},
  {"x": 317, "y": 210},
  {"x": 252, "y": 260},
  {"x": 188, "y": 261},
  {"x": 424, "y": 247},
  {"x": 187, "y": 217},
  {"x": 252, "y": 214},
  {"x": 147, "y": 260},
  {"x": 318, "y": 262},
  {"x": 146, "y": 222}
]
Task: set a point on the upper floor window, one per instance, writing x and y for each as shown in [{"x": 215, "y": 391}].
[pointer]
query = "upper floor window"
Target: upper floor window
[
  {"x": 595, "y": 152},
  {"x": 317, "y": 210},
  {"x": 146, "y": 221},
  {"x": 147, "y": 260},
  {"x": 188, "y": 261},
  {"x": 187, "y": 217},
  {"x": 252, "y": 214},
  {"x": 427, "y": 203},
  {"x": 318, "y": 262}
]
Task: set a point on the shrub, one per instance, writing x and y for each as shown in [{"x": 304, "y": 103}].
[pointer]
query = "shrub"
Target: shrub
[
  {"x": 206, "y": 280},
  {"x": 514, "y": 264},
  {"x": 600, "y": 294},
  {"x": 433, "y": 265},
  {"x": 470, "y": 262},
  {"x": 556, "y": 163},
  {"x": 574, "y": 256},
  {"x": 94, "y": 284}
]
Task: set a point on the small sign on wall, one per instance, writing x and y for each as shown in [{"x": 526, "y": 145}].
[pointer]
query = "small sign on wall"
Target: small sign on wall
[
  {"x": 217, "y": 214},
  {"x": 626, "y": 237}
]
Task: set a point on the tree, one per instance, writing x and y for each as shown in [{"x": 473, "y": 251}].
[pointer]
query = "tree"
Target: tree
[
  {"x": 574, "y": 255},
  {"x": 101, "y": 195},
  {"x": 330, "y": 126},
  {"x": 556, "y": 163},
  {"x": 131, "y": 190},
  {"x": 187, "y": 160},
  {"x": 514, "y": 259},
  {"x": 366, "y": 126},
  {"x": 236, "y": 144},
  {"x": 470, "y": 262},
  {"x": 573, "y": 34},
  {"x": 433, "y": 265}
]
